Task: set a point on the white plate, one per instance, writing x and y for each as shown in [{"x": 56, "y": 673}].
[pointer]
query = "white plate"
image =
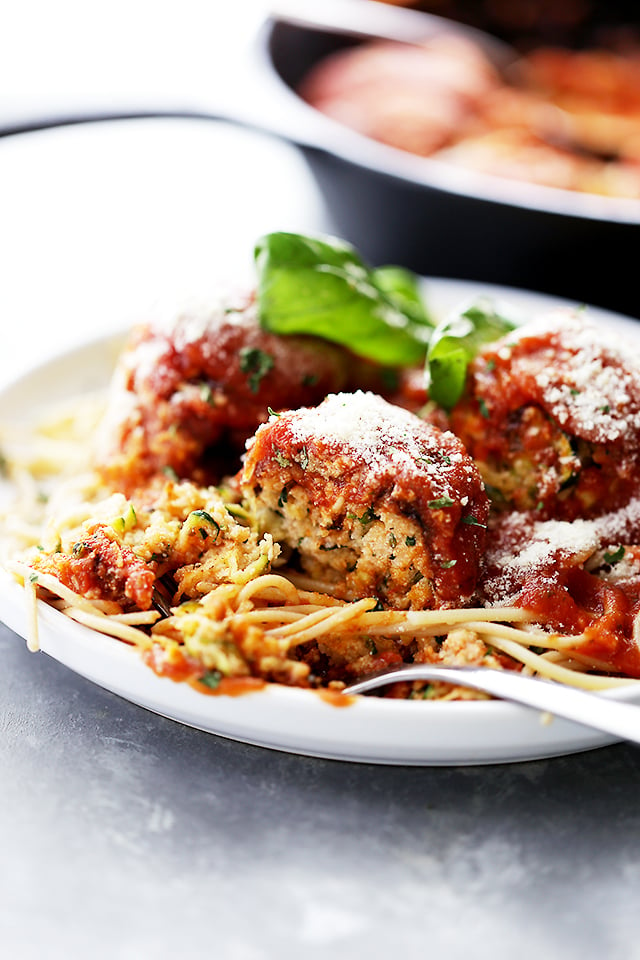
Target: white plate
[{"x": 298, "y": 721}]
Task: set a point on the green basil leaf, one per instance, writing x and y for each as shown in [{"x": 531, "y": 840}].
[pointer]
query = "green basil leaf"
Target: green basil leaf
[
  {"x": 321, "y": 287},
  {"x": 454, "y": 344},
  {"x": 403, "y": 286}
]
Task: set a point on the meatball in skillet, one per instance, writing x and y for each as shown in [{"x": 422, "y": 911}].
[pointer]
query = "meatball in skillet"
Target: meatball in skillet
[{"x": 371, "y": 499}]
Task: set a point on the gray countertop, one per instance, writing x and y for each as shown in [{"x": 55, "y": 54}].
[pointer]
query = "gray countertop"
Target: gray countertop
[{"x": 125, "y": 835}]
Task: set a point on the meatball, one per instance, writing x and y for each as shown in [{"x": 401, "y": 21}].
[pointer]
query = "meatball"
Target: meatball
[
  {"x": 101, "y": 568},
  {"x": 411, "y": 97},
  {"x": 191, "y": 392},
  {"x": 551, "y": 416},
  {"x": 371, "y": 499}
]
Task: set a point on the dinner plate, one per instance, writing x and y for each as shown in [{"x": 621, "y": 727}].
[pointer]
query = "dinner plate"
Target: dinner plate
[{"x": 364, "y": 729}]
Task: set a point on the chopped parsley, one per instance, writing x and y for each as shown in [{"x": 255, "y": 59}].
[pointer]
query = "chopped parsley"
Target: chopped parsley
[
  {"x": 284, "y": 496},
  {"x": 614, "y": 557},
  {"x": 281, "y": 460},
  {"x": 440, "y": 503},
  {"x": 427, "y": 692},
  {"x": 211, "y": 679},
  {"x": 256, "y": 363},
  {"x": 206, "y": 394},
  {"x": 367, "y": 517},
  {"x": 472, "y": 522}
]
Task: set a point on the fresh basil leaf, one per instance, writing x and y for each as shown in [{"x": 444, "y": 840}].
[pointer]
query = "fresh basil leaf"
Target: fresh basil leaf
[
  {"x": 403, "y": 286},
  {"x": 454, "y": 344},
  {"x": 321, "y": 287}
]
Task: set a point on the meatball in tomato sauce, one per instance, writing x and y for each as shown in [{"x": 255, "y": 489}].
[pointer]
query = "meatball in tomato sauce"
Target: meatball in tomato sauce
[
  {"x": 551, "y": 415},
  {"x": 370, "y": 500},
  {"x": 185, "y": 397}
]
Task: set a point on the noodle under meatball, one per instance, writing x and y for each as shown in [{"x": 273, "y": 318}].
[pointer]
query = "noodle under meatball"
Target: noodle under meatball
[{"x": 373, "y": 501}]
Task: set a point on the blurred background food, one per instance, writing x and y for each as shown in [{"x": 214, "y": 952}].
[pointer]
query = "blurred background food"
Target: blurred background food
[
  {"x": 565, "y": 114},
  {"x": 430, "y": 156}
]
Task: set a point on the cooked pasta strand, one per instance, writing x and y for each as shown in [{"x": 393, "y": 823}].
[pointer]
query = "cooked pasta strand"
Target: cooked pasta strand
[
  {"x": 270, "y": 615},
  {"x": 553, "y": 671},
  {"x": 33, "y": 642},
  {"x": 110, "y": 626}
]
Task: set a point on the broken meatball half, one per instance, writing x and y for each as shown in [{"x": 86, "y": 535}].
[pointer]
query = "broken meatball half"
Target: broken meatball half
[{"x": 370, "y": 500}]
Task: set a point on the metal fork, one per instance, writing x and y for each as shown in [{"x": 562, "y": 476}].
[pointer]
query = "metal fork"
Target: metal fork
[{"x": 600, "y": 713}]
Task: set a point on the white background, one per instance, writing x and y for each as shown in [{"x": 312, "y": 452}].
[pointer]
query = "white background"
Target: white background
[{"x": 101, "y": 223}]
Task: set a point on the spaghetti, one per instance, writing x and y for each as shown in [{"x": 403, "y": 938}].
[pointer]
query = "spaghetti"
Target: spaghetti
[{"x": 355, "y": 536}]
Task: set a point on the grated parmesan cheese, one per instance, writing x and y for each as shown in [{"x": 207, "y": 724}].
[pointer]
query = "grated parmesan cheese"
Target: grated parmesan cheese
[
  {"x": 587, "y": 380},
  {"x": 377, "y": 433},
  {"x": 520, "y": 548}
]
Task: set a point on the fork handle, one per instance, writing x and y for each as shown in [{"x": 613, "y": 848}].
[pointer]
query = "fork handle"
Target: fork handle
[{"x": 622, "y": 720}]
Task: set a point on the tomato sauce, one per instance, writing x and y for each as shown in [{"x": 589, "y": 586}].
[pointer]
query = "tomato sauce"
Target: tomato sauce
[{"x": 552, "y": 418}]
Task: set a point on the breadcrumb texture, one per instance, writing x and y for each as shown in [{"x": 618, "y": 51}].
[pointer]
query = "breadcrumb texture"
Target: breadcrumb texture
[{"x": 372, "y": 500}]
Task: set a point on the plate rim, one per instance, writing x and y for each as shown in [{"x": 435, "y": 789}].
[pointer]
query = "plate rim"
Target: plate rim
[{"x": 234, "y": 717}]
